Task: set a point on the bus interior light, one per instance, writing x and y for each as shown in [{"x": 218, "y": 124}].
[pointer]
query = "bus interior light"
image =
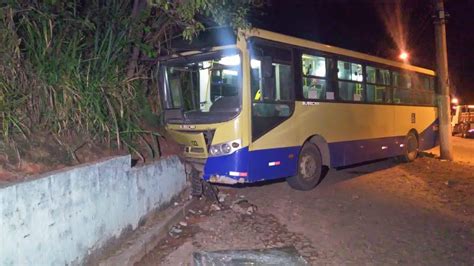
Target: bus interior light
[
  {"x": 255, "y": 64},
  {"x": 233, "y": 60},
  {"x": 230, "y": 72}
]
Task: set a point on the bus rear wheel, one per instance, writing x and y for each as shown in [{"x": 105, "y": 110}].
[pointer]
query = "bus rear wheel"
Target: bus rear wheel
[
  {"x": 410, "y": 151},
  {"x": 309, "y": 168}
]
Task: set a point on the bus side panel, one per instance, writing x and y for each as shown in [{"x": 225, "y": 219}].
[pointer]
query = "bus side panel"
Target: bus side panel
[
  {"x": 429, "y": 138},
  {"x": 274, "y": 163},
  {"x": 351, "y": 152}
]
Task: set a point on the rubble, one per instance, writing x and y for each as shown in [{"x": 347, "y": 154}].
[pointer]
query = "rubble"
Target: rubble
[
  {"x": 242, "y": 206},
  {"x": 215, "y": 207},
  {"x": 222, "y": 196}
]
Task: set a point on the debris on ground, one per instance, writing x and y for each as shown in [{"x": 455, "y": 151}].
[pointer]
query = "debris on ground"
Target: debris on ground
[
  {"x": 215, "y": 207},
  {"x": 222, "y": 196},
  {"x": 174, "y": 232},
  {"x": 273, "y": 256},
  {"x": 242, "y": 206}
]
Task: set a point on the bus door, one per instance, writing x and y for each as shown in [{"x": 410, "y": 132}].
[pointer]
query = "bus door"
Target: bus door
[{"x": 272, "y": 91}]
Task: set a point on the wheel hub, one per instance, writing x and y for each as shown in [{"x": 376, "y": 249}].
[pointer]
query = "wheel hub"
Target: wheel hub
[
  {"x": 308, "y": 166},
  {"x": 412, "y": 147}
]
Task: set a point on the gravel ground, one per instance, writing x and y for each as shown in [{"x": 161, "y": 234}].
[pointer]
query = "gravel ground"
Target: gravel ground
[{"x": 420, "y": 213}]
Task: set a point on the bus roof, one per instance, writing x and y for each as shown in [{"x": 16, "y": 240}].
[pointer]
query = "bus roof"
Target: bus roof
[{"x": 273, "y": 36}]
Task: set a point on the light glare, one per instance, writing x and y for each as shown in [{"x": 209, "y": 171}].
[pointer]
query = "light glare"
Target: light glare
[{"x": 403, "y": 55}]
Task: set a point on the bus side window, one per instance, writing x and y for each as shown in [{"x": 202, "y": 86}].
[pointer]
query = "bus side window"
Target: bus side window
[
  {"x": 315, "y": 80},
  {"x": 350, "y": 86},
  {"x": 378, "y": 85},
  {"x": 402, "y": 88}
]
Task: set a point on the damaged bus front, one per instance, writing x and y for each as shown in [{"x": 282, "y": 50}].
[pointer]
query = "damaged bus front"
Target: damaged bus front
[{"x": 203, "y": 99}]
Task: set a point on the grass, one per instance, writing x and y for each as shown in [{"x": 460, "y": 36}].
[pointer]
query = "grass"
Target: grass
[
  {"x": 65, "y": 66},
  {"x": 71, "y": 64}
]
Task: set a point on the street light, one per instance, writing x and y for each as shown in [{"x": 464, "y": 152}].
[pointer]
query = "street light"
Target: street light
[
  {"x": 454, "y": 100},
  {"x": 403, "y": 56}
]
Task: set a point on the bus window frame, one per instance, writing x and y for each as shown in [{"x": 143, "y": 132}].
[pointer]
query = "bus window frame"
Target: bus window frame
[
  {"x": 388, "y": 87},
  {"x": 328, "y": 78},
  {"x": 337, "y": 79},
  {"x": 256, "y": 41}
]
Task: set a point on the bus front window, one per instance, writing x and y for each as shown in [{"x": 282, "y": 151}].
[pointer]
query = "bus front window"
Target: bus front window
[{"x": 206, "y": 88}]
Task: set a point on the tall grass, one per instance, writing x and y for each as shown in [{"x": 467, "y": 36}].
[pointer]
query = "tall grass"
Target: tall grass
[
  {"x": 72, "y": 62},
  {"x": 65, "y": 65}
]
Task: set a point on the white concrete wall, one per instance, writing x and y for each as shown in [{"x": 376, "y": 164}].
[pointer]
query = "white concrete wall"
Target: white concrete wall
[{"x": 60, "y": 218}]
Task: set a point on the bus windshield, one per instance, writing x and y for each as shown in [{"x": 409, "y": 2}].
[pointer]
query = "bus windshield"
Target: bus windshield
[{"x": 206, "y": 88}]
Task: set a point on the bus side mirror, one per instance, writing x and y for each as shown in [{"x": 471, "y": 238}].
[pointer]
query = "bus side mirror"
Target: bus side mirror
[{"x": 267, "y": 67}]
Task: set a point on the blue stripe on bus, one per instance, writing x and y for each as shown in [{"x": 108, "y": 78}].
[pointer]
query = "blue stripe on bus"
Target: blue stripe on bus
[
  {"x": 352, "y": 152},
  {"x": 284, "y": 160},
  {"x": 222, "y": 165},
  {"x": 357, "y": 151},
  {"x": 259, "y": 165},
  {"x": 429, "y": 138}
]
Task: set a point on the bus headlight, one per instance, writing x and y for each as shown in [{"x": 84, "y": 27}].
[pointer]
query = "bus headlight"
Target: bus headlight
[{"x": 224, "y": 148}]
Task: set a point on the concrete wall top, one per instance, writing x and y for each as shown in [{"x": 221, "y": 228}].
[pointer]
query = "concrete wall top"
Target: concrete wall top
[{"x": 63, "y": 216}]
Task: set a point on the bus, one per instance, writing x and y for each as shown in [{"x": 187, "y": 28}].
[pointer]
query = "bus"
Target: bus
[
  {"x": 267, "y": 106},
  {"x": 462, "y": 120}
]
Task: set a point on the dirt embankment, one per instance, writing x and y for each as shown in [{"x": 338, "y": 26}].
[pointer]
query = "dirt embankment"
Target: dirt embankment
[{"x": 27, "y": 158}]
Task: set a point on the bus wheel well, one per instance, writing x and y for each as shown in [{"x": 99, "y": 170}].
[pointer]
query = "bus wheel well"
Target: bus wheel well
[
  {"x": 323, "y": 147},
  {"x": 415, "y": 133}
]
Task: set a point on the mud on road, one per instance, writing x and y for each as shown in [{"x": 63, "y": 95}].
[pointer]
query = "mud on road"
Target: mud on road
[{"x": 420, "y": 213}]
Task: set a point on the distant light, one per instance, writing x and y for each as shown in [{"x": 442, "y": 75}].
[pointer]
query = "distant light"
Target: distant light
[
  {"x": 454, "y": 100},
  {"x": 232, "y": 60},
  {"x": 403, "y": 55}
]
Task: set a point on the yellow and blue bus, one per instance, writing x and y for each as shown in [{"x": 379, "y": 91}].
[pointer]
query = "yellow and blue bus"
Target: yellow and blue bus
[{"x": 266, "y": 106}]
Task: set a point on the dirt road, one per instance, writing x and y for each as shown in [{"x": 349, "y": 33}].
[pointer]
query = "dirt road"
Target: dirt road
[{"x": 420, "y": 213}]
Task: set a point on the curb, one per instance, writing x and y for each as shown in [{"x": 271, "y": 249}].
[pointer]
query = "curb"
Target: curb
[{"x": 147, "y": 238}]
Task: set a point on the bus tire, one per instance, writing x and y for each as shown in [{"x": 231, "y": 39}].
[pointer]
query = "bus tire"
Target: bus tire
[
  {"x": 410, "y": 150},
  {"x": 309, "y": 168}
]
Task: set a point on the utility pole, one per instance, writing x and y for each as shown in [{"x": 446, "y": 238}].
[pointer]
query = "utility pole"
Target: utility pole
[{"x": 446, "y": 147}]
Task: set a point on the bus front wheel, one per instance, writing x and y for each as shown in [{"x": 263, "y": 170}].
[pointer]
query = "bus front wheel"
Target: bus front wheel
[{"x": 309, "y": 168}]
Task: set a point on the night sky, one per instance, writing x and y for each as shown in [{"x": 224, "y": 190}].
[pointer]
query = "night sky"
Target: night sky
[{"x": 358, "y": 25}]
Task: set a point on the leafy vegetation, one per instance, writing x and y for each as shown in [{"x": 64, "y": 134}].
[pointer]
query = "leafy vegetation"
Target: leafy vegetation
[{"x": 72, "y": 67}]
